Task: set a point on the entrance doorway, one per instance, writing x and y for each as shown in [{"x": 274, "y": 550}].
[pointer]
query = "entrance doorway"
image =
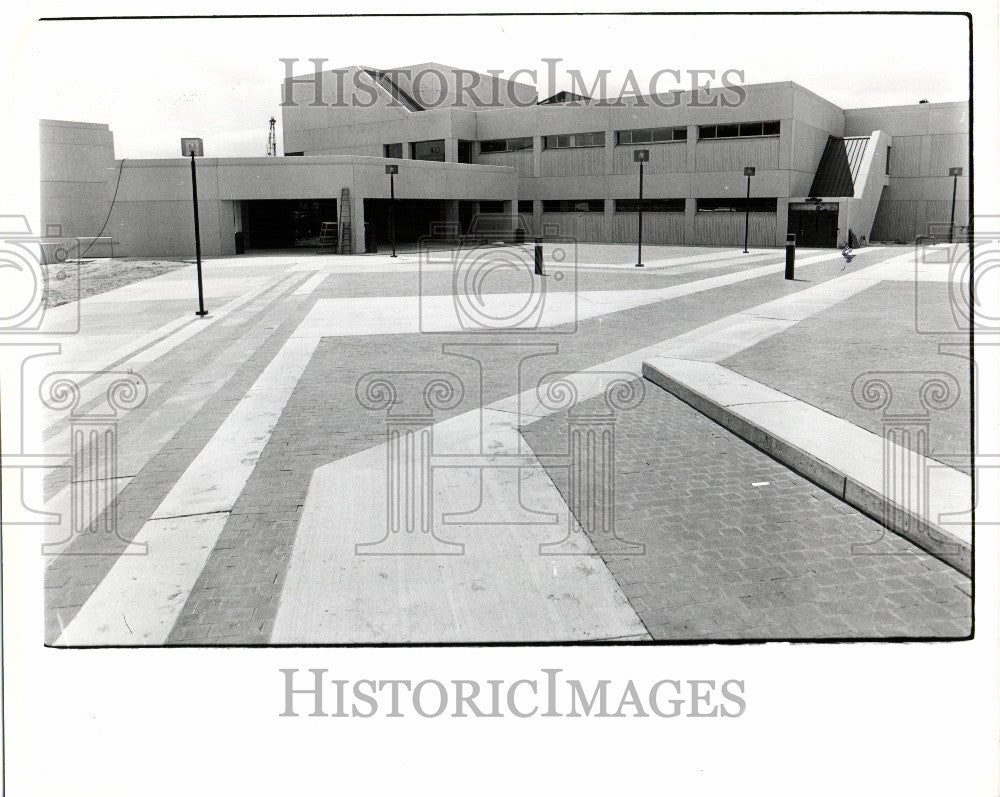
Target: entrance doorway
[
  {"x": 814, "y": 224},
  {"x": 285, "y": 223},
  {"x": 414, "y": 218}
]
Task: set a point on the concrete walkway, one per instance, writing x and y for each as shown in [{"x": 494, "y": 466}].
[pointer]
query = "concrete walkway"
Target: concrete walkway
[{"x": 500, "y": 589}]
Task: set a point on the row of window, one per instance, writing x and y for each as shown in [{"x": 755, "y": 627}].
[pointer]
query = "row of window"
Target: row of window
[
  {"x": 573, "y": 140},
  {"x": 757, "y": 205},
  {"x": 742, "y": 130},
  {"x": 651, "y": 135},
  {"x": 506, "y": 144},
  {"x": 434, "y": 150}
]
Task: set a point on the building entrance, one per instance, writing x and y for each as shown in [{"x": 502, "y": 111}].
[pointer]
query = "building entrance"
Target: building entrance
[{"x": 814, "y": 223}]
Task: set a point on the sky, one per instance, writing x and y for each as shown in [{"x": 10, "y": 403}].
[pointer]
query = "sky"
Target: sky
[{"x": 154, "y": 81}]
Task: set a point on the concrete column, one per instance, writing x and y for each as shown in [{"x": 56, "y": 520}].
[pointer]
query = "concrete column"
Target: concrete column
[
  {"x": 451, "y": 150},
  {"x": 692, "y": 151},
  {"x": 781, "y": 223},
  {"x": 451, "y": 216},
  {"x": 690, "y": 203},
  {"x": 357, "y": 222},
  {"x": 609, "y": 152},
  {"x": 536, "y": 152},
  {"x": 609, "y": 218}
]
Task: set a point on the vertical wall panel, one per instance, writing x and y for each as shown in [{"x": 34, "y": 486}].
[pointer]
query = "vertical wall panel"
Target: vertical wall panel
[
  {"x": 521, "y": 160},
  {"x": 663, "y": 158},
  {"x": 584, "y": 227},
  {"x": 572, "y": 162},
  {"x": 733, "y": 154},
  {"x": 657, "y": 228},
  {"x": 727, "y": 229}
]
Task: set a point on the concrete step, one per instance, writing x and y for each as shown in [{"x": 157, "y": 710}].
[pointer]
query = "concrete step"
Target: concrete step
[{"x": 918, "y": 498}]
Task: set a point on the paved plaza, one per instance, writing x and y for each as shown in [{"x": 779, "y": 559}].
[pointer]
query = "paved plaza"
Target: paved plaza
[{"x": 365, "y": 449}]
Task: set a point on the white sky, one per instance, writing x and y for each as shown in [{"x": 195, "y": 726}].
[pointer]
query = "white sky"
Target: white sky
[{"x": 157, "y": 80}]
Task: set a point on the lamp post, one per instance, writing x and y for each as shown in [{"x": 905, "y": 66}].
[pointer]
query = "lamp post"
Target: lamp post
[
  {"x": 955, "y": 172},
  {"x": 193, "y": 147},
  {"x": 748, "y": 171},
  {"x": 640, "y": 156},
  {"x": 392, "y": 170}
]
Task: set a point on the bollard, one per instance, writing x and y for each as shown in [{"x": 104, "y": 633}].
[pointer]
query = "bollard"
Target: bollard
[
  {"x": 790, "y": 257},
  {"x": 538, "y": 257}
]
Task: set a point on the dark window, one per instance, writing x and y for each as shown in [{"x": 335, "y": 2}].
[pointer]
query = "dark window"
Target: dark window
[
  {"x": 506, "y": 144},
  {"x": 651, "y": 135},
  {"x": 742, "y": 130},
  {"x": 577, "y": 140},
  {"x": 526, "y": 206},
  {"x": 393, "y": 150},
  {"x": 588, "y": 140},
  {"x": 888, "y": 152},
  {"x": 465, "y": 152},
  {"x": 427, "y": 150},
  {"x": 649, "y": 205},
  {"x": 293, "y": 154},
  {"x": 491, "y": 206},
  {"x": 738, "y": 205},
  {"x": 573, "y": 206}
]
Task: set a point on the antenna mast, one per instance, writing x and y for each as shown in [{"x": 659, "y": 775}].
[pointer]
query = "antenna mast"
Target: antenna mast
[{"x": 272, "y": 141}]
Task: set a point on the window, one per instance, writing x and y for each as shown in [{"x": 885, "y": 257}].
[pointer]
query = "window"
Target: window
[
  {"x": 649, "y": 205},
  {"x": 575, "y": 140},
  {"x": 588, "y": 140},
  {"x": 506, "y": 144},
  {"x": 465, "y": 152},
  {"x": 293, "y": 154},
  {"x": 491, "y": 206},
  {"x": 526, "y": 206},
  {"x": 737, "y": 205},
  {"x": 573, "y": 206},
  {"x": 393, "y": 150},
  {"x": 741, "y": 130},
  {"x": 427, "y": 150},
  {"x": 652, "y": 135},
  {"x": 888, "y": 152}
]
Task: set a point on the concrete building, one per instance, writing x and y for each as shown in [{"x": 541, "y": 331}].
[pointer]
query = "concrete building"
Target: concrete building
[{"x": 467, "y": 143}]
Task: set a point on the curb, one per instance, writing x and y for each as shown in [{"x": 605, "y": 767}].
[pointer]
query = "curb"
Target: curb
[{"x": 919, "y": 530}]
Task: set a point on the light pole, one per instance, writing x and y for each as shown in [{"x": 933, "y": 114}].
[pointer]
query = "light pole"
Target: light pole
[
  {"x": 748, "y": 171},
  {"x": 192, "y": 147},
  {"x": 392, "y": 170},
  {"x": 640, "y": 156},
  {"x": 955, "y": 172}
]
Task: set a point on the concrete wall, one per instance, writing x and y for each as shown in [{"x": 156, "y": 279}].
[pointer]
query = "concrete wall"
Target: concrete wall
[
  {"x": 152, "y": 215},
  {"x": 927, "y": 140},
  {"x": 78, "y": 174}
]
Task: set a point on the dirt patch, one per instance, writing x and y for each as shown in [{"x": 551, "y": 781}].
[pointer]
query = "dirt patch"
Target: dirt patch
[{"x": 99, "y": 276}]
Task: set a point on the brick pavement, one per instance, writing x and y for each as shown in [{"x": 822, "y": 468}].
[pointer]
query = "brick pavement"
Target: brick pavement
[
  {"x": 234, "y": 599},
  {"x": 840, "y": 341},
  {"x": 725, "y": 559}
]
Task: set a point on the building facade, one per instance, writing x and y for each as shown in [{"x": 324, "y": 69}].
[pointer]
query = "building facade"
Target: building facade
[{"x": 466, "y": 143}]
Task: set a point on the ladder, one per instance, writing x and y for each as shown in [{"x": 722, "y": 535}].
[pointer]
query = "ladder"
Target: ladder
[
  {"x": 345, "y": 247},
  {"x": 328, "y": 235}
]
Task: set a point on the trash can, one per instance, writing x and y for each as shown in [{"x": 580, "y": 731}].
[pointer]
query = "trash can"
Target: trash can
[{"x": 371, "y": 243}]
